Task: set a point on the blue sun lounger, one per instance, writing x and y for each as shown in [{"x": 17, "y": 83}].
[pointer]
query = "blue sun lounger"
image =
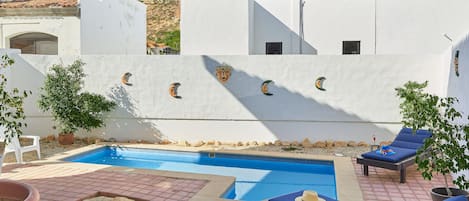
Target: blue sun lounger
[{"x": 405, "y": 147}]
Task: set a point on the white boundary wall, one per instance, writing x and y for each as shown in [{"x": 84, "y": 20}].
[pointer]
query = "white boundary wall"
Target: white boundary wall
[{"x": 360, "y": 99}]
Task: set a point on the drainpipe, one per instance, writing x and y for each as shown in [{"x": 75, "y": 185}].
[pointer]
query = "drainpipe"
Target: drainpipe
[
  {"x": 302, "y": 4},
  {"x": 376, "y": 24}
]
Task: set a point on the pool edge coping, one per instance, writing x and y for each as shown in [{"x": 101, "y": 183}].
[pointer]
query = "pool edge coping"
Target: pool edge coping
[{"x": 347, "y": 185}]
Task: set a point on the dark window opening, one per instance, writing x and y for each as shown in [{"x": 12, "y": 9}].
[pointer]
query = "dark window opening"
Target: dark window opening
[
  {"x": 351, "y": 47},
  {"x": 35, "y": 43},
  {"x": 273, "y": 48}
]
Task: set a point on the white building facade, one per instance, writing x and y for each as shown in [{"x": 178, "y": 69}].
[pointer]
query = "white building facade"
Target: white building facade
[
  {"x": 324, "y": 27},
  {"x": 74, "y": 27}
]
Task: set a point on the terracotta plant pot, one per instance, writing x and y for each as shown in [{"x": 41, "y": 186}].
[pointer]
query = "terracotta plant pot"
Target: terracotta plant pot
[
  {"x": 12, "y": 190},
  {"x": 66, "y": 138},
  {"x": 440, "y": 194}
]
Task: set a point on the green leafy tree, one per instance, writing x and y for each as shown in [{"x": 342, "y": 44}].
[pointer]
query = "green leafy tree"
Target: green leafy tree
[
  {"x": 171, "y": 39},
  {"x": 446, "y": 151},
  {"x": 11, "y": 103},
  {"x": 71, "y": 108}
]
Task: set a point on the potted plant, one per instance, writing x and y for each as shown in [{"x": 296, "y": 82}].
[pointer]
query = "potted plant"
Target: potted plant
[
  {"x": 11, "y": 108},
  {"x": 446, "y": 151},
  {"x": 70, "y": 107}
]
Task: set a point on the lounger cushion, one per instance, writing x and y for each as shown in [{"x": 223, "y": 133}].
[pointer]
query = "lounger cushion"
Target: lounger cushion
[
  {"x": 405, "y": 145},
  {"x": 401, "y": 154},
  {"x": 424, "y": 132},
  {"x": 406, "y": 139}
]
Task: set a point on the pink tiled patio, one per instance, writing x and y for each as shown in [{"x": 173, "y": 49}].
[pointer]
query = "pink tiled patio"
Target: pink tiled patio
[
  {"x": 75, "y": 183},
  {"x": 383, "y": 185}
]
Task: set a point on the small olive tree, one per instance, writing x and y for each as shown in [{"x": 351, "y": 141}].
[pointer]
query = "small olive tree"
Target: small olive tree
[
  {"x": 445, "y": 152},
  {"x": 72, "y": 108},
  {"x": 11, "y": 104}
]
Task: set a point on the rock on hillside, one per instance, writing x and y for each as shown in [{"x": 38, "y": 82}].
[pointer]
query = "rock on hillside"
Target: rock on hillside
[{"x": 162, "y": 16}]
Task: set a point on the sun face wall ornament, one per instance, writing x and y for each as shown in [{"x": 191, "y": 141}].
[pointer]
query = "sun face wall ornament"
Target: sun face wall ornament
[
  {"x": 319, "y": 82},
  {"x": 173, "y": 90},
  {"x": 456, "y": 62},
  {"x": 265, "y": 87},
  {"x": 125, "y": 79},
  {"x": 223, "y": 73}
]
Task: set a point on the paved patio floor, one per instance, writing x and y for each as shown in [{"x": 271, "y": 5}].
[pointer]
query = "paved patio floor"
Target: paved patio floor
[
  {"x": 65, "y": 181},
  {"x": 76, "y": 181},
  {"x": 383, "y": 185}
]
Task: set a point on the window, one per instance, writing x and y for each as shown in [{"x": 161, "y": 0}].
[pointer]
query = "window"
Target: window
[
  {"x": 35, "y": 43},
  {"x": 351, "y": 47},
  {"x": 273, "y": 48}
]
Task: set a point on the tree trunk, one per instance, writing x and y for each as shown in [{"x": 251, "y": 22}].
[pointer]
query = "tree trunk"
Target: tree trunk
[
  {"x": 448, "y": 191},
  {"x": 2, "y": 151}
]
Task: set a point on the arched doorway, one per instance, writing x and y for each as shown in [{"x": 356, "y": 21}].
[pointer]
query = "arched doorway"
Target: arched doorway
[{"x": 35, "y": 43}]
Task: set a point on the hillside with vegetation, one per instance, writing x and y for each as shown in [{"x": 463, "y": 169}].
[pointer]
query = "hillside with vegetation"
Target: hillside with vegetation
[{"x": 163, "y": 22}]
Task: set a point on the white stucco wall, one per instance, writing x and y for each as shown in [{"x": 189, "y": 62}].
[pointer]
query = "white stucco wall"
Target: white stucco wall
[
  {"x": 215, "y": 27},
  {"x": 278, "y": 22},
  {"x": 458, "y": 86},
  {"x": 328, "y": 23},
  {"x": 113, "y": 27},
  {"x": 66, "y": 29},
  {"x": 402, "y": 26},
  {"x": 359, "y": 102},
  {"x": 416, "y": 27},
  {"x": 7, "y": 71}
]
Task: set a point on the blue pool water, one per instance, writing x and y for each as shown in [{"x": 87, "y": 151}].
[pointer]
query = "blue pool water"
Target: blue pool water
[{"x": 257, "y": 178}]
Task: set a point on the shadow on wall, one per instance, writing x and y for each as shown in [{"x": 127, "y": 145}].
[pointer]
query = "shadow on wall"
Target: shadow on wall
[
  {"x": 268, "y": 28},
  {"x": 39, "y": 123},
  {"x": 290, "y": 115},
  {"x": 126, "y": 121},
  {"x": 122, "y": 127}
]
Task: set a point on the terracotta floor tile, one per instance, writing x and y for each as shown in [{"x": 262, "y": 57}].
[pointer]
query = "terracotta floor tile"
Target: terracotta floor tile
[
  {"x": 415, "y": 189},
  {"x": 84, "y": 183}
]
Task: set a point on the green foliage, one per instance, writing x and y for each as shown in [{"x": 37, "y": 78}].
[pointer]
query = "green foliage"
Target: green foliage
[
  {"x": 11, "y": 103},
  {"x": 290, "y": 148},
  {"x": 446, "y": 151},
  {"x": 417, "y": 106},
  {"x": 171, "y": 39},
  {"x": 71, "y": 108}
]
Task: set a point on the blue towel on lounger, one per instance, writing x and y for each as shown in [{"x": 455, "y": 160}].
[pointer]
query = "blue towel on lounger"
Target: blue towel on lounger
[{"x": 385, "y": 151}]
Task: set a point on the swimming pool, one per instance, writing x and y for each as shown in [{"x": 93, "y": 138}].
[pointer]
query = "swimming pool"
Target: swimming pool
[{"x": 257, "y": 178}]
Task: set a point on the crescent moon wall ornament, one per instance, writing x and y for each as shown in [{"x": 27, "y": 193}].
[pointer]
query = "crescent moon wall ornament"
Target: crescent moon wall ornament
[
  {"x": 319, "y": 82},
  {"x": 456, "y": 63},
  {"x": 223, "y": 73},
  {"x": 265, "y": 87},
  {"x": 173, "y": 90},
  {"x": 125, "y": 79}
]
